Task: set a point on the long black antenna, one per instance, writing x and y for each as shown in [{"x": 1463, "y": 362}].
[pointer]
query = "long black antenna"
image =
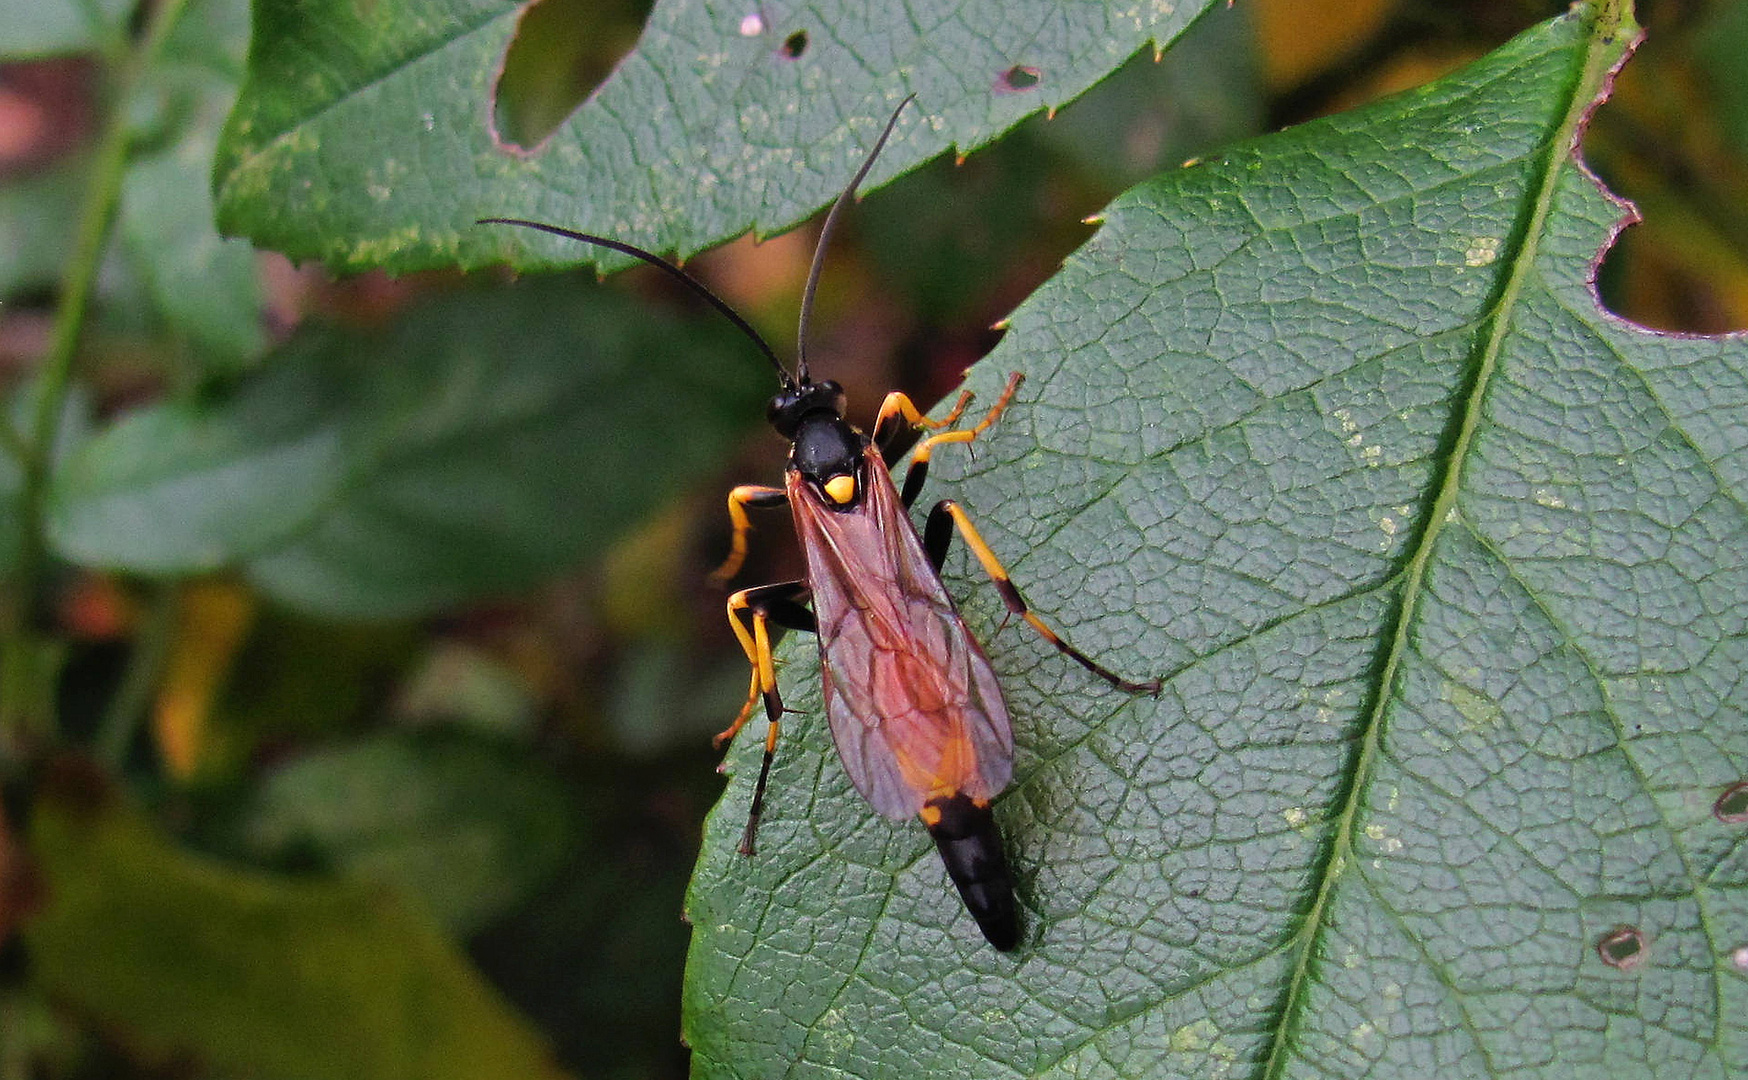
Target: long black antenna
[
  {"x": 657, "y": 261},
  {"x": 825, "y": 235}
]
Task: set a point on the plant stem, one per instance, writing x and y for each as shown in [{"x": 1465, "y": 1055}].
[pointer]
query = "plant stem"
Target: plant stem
[
  {"x": 96, "y": 214},
  {"x": 35, "y": 447}
]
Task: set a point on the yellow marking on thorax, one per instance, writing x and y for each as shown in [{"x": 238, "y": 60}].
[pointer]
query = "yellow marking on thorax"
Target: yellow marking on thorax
[{"x": 841, "y": 489}]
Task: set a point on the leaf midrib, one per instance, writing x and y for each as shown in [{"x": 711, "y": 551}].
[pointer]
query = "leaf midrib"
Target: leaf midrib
[{"x": 1605, "y": 21}]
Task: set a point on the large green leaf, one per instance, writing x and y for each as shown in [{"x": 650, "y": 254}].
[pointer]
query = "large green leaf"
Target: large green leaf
[
  {"x": 956, "y": 234},
  {"x": 183, "y": 957},
  {"x": 1447, "y": 572},
  {"x": 362, "y": 137},
  {"x": 488, "y": 440}
]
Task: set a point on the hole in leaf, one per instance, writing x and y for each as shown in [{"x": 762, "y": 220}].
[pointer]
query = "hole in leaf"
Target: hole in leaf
[
  {"x": 794, "y": 45},
  {"x": 1623, "y": 947},
  {"x": 1732, "y": 806},
  {"x": 1017, "y": 78},
  {"x": 562, "y": 50},
  {"x": 752, "y": 24},
  {"x": 1739, "y": 957},
  {"x": 1669, "y": 140}
]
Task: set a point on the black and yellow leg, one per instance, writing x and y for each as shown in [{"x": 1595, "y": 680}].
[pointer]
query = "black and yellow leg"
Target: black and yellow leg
[
  {"x": 919, "y": 458},
  {"x": 750, "y": 613},
  {"x": 738, "y": 500},
  {"x": 757, "y": 810},
  {"x": 898, "y": 406},
  {"x": 938, "y": 533}
]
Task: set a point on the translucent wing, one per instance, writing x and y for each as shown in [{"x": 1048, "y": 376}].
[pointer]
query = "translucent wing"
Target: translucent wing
[{"x": 914, "y": 706}]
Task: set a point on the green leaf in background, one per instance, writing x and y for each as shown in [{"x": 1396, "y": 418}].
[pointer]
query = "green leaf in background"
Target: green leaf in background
[
  {"x": 40, "y": 28},
  {"x": 467, "y": 825},
  {"x": 489, "y": 439},
  {"x": 179, "y": 955},
  {"x": 1447, "y": 572},
  {"x": 361, "y": 137},
  {"x": 173, "y": 267},
  {"x": 183, "y": 486},
  {"x": 20, "y": 412},
  {"x": 594, "y": 956},
  {"x": 36, "y": 233},
  {"x": 1720, "y": 42},
  {"x": 203, "y": 285}
]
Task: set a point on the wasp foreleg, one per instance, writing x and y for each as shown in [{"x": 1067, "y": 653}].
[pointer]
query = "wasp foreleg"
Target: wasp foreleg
[
  {"x": 919, "y": 458},
  {"x": 738, "y": 500},
  {"x": 898, "y": 406}
]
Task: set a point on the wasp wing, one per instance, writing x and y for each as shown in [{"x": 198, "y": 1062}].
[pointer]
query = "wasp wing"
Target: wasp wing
[{"x": 914, "y": 706}]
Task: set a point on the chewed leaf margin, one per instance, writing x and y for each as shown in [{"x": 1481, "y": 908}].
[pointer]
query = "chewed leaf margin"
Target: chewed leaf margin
[{"x": 369, "y": 144}]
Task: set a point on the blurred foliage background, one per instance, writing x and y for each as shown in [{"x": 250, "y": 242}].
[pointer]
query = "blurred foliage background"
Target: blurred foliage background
[{"x": 488, "y": 814}]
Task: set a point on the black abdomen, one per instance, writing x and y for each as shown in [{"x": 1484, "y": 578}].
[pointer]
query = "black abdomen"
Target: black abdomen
[{"x": 966, "y": 836}]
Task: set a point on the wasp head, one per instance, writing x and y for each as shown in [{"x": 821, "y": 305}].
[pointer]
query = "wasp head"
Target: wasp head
[{"x": 797, "y": 401}]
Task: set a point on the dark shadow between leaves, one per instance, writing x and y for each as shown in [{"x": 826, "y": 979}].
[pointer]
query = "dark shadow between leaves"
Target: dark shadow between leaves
[{"x": 562, "y": 50}]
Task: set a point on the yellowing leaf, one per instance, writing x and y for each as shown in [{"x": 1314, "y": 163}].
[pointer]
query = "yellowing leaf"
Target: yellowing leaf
[
  {"x": 184, "y": 956},
  {"x": 213, "y": 619}
]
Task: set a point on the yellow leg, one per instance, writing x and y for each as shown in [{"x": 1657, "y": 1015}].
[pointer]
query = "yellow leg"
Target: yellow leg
[
  {"x": 919, "y": 457},
  {"x": 898, "y": 405},
  {"x": 927, "y": 446},
  {"x": 755, "y": 641},
  {"x": 935, "y": 539},
  {"x": 750, "y": 612},
  {"x": 740, "y": 720},
  {"x": 738, "y": 500}
]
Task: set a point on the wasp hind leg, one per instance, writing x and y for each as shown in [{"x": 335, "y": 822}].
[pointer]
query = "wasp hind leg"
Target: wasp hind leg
[
  {"x": 750, "y": 613},
  {"x": 948, "y": 516}
]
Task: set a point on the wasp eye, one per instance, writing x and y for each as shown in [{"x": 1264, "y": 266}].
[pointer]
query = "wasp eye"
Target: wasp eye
[{"x": 833, "y": 390}]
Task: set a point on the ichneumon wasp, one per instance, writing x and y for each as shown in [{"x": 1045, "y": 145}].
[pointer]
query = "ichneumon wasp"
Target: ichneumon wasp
[{"x": 914, "y": 706}]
